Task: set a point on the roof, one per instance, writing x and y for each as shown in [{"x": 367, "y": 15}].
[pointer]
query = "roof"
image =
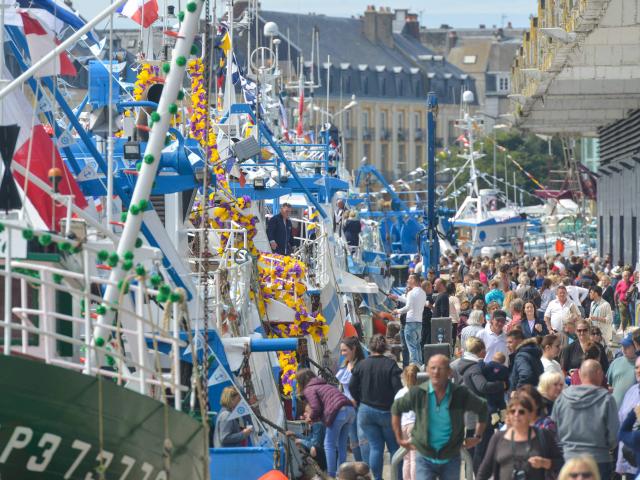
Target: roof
[
  {"x": 344, "y": 41},
  {"x": 501, "y": 57},
  {"x": 480, "y": 50}
]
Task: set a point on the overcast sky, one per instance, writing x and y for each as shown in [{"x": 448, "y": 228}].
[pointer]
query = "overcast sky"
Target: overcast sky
[{"x": 433, "y": 13}]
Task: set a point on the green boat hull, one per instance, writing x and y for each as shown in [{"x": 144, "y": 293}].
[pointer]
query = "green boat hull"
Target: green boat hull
[{"x": 50, "y": 424}]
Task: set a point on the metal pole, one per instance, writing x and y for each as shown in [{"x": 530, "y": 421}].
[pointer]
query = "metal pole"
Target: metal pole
[
  {"x": 150, "y": 164},
  {"x": 515, "y": 192},
  {"x": 494, "y": 158},
  {"x": 59, "y": 49},
  {"x": 110, "y": 131},
  {"x": 432, "y": 219}
]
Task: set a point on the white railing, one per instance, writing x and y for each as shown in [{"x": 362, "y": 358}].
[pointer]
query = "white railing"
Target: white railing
[{"x": 143, "y": 332}]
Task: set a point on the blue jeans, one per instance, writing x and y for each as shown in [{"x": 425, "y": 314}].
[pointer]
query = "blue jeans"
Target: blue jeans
[
  {"x": 335, "y": 439},
  {"x": 354, "y": 442},
  {"x": 374, "y": 425},
  {"x": 413, "y": 337},
  {"x": 426, "y": 470}
]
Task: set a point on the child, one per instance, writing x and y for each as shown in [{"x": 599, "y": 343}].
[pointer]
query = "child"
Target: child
[
  {"x": 496, "y": 371},
  {"x": 313, "y": 441},
  {"x": 409, "y": 378}
]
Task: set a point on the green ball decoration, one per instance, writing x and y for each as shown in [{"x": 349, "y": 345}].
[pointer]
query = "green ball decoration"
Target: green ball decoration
[
  {"x": 155, "y": 117},
  {"x": 101, "y": 309},
  {"x": 138, "y": 242},
  {"x": 103, "y": 255},
  {"x": 77, "y": 248},
  {"x": 44, "y": 239},
  {"x": 195, "y": 50},
  {"x": 166, "y": 67},
  {"x": 134, "y": 210},
  {"x": 181, "y": 16},
  {"x": 140, "y": 271},
  {"x": 165, "y": 289},
  {"x": 143, "y": 204},
  {"x": 110, "y": 361},
  {"x": 138, "y": 166},
  {"x": 156, "y": 280},
  {"x": 191, "y": 7},
  {"x": 162, "y": 298},
  {"x": 148, "y": 159},
  {"x": 173, "y": 109},
  {"x": 113, "y": 259},
  {"x": 128, "y": 255},
  {"x": 27, "y": 234},
  {"x": 123, "y": 217},
  {"x": 175, "y": 297},
  {"x": 2, "y": 224},
  {"x": 99, "y": 342},
  {"x": 123, "y": 286},
  {"x": 64, "y": 246},
  {"x": 181, "y": 61},
  {"x": 127, "y": 265},
  {"x": 180, "y": 94}
]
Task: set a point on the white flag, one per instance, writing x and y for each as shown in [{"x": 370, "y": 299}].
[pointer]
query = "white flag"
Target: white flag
[
  {"x": 241, "y": 410},
  {"x": 218, "y": 376}
]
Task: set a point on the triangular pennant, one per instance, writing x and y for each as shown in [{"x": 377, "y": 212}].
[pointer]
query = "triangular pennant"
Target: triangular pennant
[
  {"x": 241, "y": 410},
  {"x": 218, "y": 376},
  {"x": 9, "y": 195}
]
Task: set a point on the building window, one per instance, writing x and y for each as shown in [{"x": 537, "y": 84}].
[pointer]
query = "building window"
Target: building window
[
  {"x": 634, "y": 241},
  {"x": 365, "y": 118},
  {"x": 621, "y": 233},
  {"x": 367, "y": 152},
  {"x": 400, "y": 116},
  {"x": 601, "y": 236},
  {"x": 346, "y": 119},
  {"x": 611, "y": 236},
  {"x": 402, "y": 155},
  {"x": 417, "y": 120},
  {"x": 420, "y": 160},
  {"x": 383, "y": 119},
  {"x": 503, "y": 84},
  {"x": 469, "y": 59},
  {"x": 384, "y": 156}
]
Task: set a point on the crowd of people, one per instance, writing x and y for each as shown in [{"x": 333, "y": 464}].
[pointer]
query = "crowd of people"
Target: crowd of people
[{"x": 542, "y": 380}]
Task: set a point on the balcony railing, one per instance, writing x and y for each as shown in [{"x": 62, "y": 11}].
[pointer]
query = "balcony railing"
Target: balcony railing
[
  {"x": 418, "y": 135},
  {"x": 385, "y": 134}
]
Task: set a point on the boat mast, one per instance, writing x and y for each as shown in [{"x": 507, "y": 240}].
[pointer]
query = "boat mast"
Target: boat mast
[{"x": 151, "y": 161}]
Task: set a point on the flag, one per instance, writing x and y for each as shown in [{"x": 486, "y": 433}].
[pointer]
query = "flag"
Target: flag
[
  {"x": 143, "y": 12},
  {"x": 56, "y": 15},
  {"x": 225, "y": 43},
  {"x": 242, "y": 410},
  {"x": 284, "y": 121},
  {"x": 218, "y": 376},
  {"x": 300, "y": 126},
  {"x": 36, "y": 153},
  {"x": 40, "y": 43}
]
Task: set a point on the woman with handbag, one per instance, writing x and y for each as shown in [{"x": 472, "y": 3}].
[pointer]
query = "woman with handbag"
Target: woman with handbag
[{"x": 521, "y": 452}]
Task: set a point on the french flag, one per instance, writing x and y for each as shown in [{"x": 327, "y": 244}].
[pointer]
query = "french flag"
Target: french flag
[
  {"x": 36, "y": 153},
  {"x": 143, "y": 12},
  {"x": 40, "y": 43}
]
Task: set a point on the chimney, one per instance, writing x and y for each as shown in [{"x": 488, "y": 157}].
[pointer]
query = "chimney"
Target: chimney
[
  {"x": 412, "y": 26},
  {"x": 384, "y": 27},
  {"x": 370, "y": 23}
]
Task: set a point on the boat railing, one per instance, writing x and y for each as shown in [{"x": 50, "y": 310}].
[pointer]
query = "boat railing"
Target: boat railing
[{"x": 50, "y": 312}]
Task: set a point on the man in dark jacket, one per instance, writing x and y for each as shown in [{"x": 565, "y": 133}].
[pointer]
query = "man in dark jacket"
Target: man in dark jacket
[
  {"x": 279, "y": 231},
  {"x": 439, "y": 429},
  {"x": 468, "y": 372},
  {"x": 441, "y": 302},
  {"x": 527, "y": 366}
]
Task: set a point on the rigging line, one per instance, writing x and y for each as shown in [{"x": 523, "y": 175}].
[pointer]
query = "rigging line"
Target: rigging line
[{"x": 23, "y": 210}]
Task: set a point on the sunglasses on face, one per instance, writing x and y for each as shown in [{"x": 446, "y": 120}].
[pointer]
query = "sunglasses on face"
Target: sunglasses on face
[
  {"x": 518, "y": 411},
  {"x": 581, "y": 475}
]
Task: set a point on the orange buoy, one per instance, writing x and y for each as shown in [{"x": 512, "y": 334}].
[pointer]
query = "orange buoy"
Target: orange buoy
[
  {"x": 273, "y": 475},
  {"x": 559, "y": 246}
]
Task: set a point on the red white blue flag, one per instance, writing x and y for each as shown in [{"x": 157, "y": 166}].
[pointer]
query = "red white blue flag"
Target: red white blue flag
[{"x": 143, "y": 12}]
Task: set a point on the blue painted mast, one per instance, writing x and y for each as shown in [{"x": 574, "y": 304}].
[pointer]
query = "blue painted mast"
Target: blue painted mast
[{"x": 430, "y": 247}]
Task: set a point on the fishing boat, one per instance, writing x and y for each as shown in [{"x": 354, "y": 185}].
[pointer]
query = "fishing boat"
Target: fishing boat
[
  {"x": 486, "y": 221},
  {"x": 137, "y": 274}
]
